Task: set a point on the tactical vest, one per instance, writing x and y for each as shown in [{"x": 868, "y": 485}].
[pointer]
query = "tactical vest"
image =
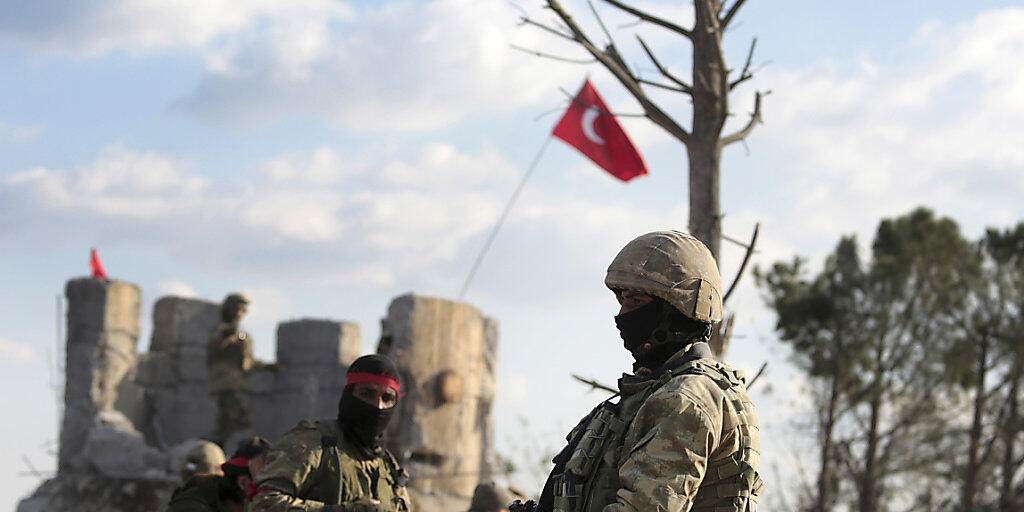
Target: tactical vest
[
  {"x": 340, "y": 477},
  {"x": 590, "y": 478}
]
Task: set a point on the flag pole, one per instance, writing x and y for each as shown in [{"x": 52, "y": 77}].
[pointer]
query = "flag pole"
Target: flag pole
[{"x": 504, "y": 215}]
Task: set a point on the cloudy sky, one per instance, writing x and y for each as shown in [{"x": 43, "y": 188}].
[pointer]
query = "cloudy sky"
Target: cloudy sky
[{"x": 326, "y": 156}]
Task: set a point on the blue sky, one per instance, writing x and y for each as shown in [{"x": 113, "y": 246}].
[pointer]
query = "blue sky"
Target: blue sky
[{"x": 330, "y": 156}]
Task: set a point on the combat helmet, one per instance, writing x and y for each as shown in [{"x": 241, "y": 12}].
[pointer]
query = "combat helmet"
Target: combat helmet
[
  {"x": 234, "y": 300},
  {"x": 203, "y": 458},
  {"x": 673, "y": 266}
]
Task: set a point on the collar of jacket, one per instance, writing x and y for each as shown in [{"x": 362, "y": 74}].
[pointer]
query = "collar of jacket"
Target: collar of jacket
[{"x": 631, "y": 384}]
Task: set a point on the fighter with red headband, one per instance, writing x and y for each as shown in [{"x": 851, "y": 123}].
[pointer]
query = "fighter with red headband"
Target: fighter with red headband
[{"x": 340, "y": 464}]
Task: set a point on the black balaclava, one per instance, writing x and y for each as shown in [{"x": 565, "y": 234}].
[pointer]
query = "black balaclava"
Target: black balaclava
[
  {"x": 364, "y": 424},
  {"x": 655, "y": 331}
]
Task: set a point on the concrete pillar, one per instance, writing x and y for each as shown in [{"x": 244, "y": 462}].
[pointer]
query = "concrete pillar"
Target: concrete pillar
[
  {"x": 442, "y": 429},
  {"x": 102, "y": 330},
  {"x": 179, "y": 405},
  {"x": 312, "y": 356}
]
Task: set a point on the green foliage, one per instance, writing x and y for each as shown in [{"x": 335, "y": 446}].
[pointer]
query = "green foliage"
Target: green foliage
[{"x": 907, "y": 353}]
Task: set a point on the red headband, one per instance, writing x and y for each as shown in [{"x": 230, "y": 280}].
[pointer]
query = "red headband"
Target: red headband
[
  {"x": 238, "y": 462},
  {"x": 373, "y": 378}
]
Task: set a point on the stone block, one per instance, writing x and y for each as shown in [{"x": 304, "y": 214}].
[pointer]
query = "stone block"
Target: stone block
[
  {"x": 317, "y": 342},
  {"x": 102, "y": 330},
  {"x": 115, "y": 449},
  {"x": 156, "y": 369},
  {"x": 437, "y": 343},
  {"x": 190, "y": 362},
  {"x": 181, "y": 322}
]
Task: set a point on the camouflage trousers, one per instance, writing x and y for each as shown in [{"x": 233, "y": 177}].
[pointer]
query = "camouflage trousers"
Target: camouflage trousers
[{"x": 232, "y": 415}]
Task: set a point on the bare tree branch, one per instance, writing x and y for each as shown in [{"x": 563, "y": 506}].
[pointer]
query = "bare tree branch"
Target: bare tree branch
[
  {"x": 730, "y": 13},
  {"x": 595, "y": 384},
  {"x": 572, "y": 99},
  {"x": 613, "y": 64},
  {"x": 743, "y": 266},
  {"x": 664, "y": 72},
  {"x": 745, "y": 74},
  {"x": 757, "y": 375},
  {"x": 554, "y": 57},
  {"x": 755, "y": 118},
  {"x": 661, "y": 86},
  {"x": 601, "y": 22},
  {"x": 527, "y": 21},
  {"x": 651, "y": 18}
]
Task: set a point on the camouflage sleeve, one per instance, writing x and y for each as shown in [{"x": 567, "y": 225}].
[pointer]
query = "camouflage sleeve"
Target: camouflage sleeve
[
  {"x": 289, "y": 468},
  {"x": 674, "y": 434}
]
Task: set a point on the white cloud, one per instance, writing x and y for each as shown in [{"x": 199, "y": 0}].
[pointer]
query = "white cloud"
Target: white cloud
[
  {"x": 175, "y": 287},
  {"x": 15, "y": 352},
  {"x": 333, "y": 219},
  {"x": 403, "y": 66},
  {"x": 16, "y": 134},
  {"x": 860, "y": 141},
  {"x": 97, "y": 27}
]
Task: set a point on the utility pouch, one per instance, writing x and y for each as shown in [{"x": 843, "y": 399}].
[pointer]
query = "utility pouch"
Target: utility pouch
[{"x": 588, "y": 452}]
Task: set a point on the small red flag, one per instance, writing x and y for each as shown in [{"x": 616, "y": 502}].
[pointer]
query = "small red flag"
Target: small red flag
[
  {"x": 96, "y": 266},
  {"x": 591, "y": 128}
]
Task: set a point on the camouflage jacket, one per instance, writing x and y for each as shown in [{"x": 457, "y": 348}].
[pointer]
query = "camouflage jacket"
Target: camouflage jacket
[
  {"x": 228, "y": 358},
  {"x": 682, "y": 440},
  {"x": 314, "y": 465},
  {"x": 199, "y": 494}
]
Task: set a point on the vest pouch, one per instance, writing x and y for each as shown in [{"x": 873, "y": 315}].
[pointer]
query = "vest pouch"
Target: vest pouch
[{"x": 588, "y": 451}]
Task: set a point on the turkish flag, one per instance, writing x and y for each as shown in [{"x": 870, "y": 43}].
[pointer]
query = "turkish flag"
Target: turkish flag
[
  {"x": 590, "y": 127},
  {"x": 96, "y": 266}
]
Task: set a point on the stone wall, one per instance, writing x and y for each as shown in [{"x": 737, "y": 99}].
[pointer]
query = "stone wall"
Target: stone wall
[
  {"x": 122, "y": 405},
  {"x": 446, "y": 351}
]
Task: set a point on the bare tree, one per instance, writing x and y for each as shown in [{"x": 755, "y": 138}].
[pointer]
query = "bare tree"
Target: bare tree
[{"x": 708, "y": 91}]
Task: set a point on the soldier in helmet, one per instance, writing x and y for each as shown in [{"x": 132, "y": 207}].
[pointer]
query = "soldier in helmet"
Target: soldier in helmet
[
  {"x": 204, "y": 458},
  {"x": 226, "y": 490},
  {"x": 228, "y": 361},
  {"x": 682, "y": 435},
  {"x": 340, "y": 464}
]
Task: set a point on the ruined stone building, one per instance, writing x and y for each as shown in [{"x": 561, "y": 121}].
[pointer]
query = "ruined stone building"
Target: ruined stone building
[{"x": 130, "y": 417}]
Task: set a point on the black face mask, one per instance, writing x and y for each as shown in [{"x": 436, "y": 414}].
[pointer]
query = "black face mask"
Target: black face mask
[
  {"x": 636, "y": 327},
  {"x": 363, "y": 423}
]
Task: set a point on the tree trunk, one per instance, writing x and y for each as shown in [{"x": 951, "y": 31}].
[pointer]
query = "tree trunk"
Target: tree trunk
[
  {"x": 971, "y": 472},
  {"x": 823, "y": 500},
  {"x": 710, "y": 109},
  {"x": 866, "y": 501},
  {"x": 1011, "y": 429}
]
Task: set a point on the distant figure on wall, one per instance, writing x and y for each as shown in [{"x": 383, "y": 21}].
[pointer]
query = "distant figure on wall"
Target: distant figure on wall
[{"x": 228, "y": 361}]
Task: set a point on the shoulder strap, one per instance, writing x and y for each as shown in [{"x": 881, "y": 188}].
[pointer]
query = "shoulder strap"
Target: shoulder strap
[{"x": 401, "y": 476}]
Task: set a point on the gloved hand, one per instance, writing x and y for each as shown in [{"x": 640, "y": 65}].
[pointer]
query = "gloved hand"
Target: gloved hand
[
  {"x": 360, "y": 505},
  {"x": 521, "y": 506}
]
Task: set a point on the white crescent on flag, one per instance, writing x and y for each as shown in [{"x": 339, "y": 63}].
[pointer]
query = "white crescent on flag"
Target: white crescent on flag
[{"x": 587, "y": 124}]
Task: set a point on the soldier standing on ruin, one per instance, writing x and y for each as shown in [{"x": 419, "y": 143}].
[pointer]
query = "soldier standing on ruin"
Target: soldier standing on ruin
[
  {"x": 228, "y": 361},
  {"x": 683, "y": 434},
  {"x": 340, "y": 464}
]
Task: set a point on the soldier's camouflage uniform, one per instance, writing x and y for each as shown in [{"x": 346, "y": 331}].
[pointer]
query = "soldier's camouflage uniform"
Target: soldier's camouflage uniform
[
  {"x": 684, "y": 438},
  {"x": 199, "y": 494},
  {"x": 314, "y": 465},
  {"x": 228, "y": 360}
]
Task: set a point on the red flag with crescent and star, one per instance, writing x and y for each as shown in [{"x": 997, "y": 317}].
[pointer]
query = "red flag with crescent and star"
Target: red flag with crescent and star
[{"x": 591, "y": 128}]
